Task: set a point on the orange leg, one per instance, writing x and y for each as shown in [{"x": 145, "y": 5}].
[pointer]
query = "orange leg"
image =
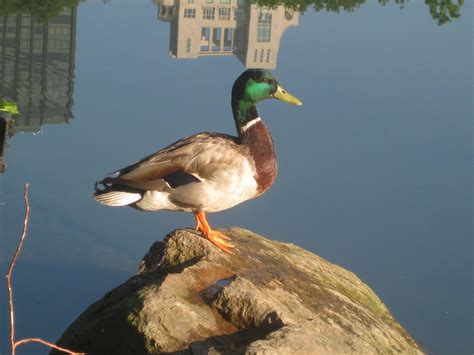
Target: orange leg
[
  {"x": 199, "y": 226},
  {"x": 217, "y": 238}
]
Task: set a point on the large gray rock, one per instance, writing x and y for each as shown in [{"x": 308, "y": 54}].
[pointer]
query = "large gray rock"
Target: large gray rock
[{"x": 267, "y": 298}]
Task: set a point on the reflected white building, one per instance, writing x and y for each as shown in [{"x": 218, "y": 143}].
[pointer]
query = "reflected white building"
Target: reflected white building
[{"x": 226, "y": 27}]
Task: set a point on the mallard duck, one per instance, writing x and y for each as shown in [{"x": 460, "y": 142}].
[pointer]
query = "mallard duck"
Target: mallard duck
[{"x": 206, "y": 172}]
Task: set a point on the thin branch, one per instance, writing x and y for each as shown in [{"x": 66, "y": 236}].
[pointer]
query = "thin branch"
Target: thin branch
[
  {"x": 14, "y": 344},
  {"x": 10, "y": 269},
  {"x": 51, "y": 345}
]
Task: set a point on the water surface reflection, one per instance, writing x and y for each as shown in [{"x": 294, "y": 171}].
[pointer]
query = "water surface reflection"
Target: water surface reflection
[
  {"x": 37, "y": 68},
  {"x": 226, "y": 27}
]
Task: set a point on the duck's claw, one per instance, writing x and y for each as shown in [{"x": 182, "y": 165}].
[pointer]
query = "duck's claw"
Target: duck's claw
[
  {"x": 220, "y": 240},
  {"x": 217, "y": 238}
]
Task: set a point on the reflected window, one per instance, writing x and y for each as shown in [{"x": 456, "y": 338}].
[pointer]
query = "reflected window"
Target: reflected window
[
  {"x": 58, "y": 44},
  {"x": 208, "y": 13},
  {"x": 239, "y": 15},
  {"x": 228, "y": 35},
  {"x": 209, "y": 1},
  {"x": 189, "y": 1},
  {"x": 224, "y": 1},
  {"x": 58, "y": 31},
  {"x": 205, "y": 33},
  {"x": 216, "y": 39},
  {"x": 255, "y": 53},
  {"x": 37, "y": 44},
  {"x": 261, "y": 55},
  {"x": 268, "y": 56},
  {"x": 189, "y": 13},
  {"x": 224, "y": 13},
  {"x": 188, "y": 45},
  {"x": 167, "y": 11},
  {"x": 264, "y": 27},
  {"x": 24, "y": 44}
]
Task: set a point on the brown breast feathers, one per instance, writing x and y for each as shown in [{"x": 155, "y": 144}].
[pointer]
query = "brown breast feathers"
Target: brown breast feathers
[{"x": 259, "y": 141}]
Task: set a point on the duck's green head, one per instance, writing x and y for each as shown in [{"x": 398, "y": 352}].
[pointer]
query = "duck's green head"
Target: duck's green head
[{"x": 255, "y": 85}]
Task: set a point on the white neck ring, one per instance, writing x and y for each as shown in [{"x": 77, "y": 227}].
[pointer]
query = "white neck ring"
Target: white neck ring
[{"x": 250, "y": 124}]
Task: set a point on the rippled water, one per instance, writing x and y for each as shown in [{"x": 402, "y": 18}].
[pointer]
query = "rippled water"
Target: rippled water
[{"x": 375, "y": 168}]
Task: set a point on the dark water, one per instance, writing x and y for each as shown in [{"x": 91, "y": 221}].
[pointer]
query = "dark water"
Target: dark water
[{"x": 375, "y": 168}]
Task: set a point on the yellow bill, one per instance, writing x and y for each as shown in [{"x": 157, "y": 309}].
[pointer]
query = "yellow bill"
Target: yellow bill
[{"x": 283, "y": 95}]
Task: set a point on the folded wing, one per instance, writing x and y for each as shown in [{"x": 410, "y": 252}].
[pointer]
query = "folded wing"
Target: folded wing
[{"x": 184, "y": 162}]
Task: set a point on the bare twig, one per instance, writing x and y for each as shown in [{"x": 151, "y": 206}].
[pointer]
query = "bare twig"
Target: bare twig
[
  {"x": 51, "y": 345},
  {"x": 13, "y": 343},
  {"x": 10, "y": 269}
]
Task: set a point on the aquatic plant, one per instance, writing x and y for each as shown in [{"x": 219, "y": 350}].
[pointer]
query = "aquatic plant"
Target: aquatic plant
[{"x": 9, "y": 107}]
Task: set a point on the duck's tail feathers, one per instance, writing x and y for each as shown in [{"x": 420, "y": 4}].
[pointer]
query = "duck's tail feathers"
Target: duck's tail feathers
[
  {"x": 117, "y": 198},
  {"x": 115, "y": 195}
]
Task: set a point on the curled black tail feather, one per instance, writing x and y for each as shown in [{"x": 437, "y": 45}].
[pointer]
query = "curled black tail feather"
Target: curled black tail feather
[{"x": 106, "y": 183}]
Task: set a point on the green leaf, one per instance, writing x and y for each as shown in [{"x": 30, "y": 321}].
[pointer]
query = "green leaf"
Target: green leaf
[{"x": 10, "y": 107}]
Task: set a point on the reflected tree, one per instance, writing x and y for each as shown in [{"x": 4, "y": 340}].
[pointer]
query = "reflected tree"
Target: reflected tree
[
  {"x": 318, "y": 5},
  {"x": 397, "y": 2},
  {"x": 42, "y": 9},
  {"x": 337, "y": 5},
  {"x": 443, "y": 11}
]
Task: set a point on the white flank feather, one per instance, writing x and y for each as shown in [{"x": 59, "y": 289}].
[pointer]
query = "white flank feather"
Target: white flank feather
[{"x": 117, "y": 198}]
